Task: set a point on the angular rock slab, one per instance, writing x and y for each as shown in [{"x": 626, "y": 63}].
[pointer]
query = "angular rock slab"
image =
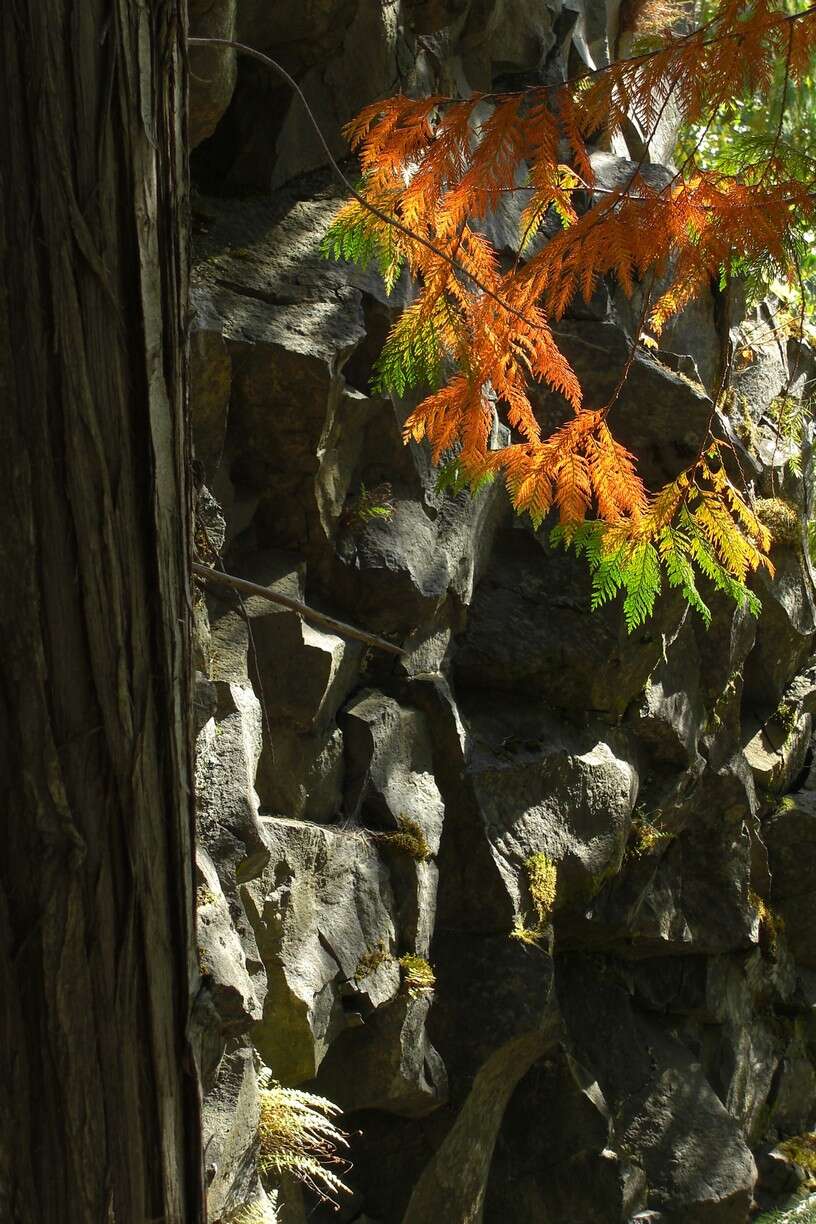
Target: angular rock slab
[
  {"x": 564, "y": 794},
  {"x": 530, "y": 631},
  {"x": 504, "y": 989},
  {"x": 390, "y": 766},
  {"x": 228, "y": 749},
  {"x": 322, "y": 906},
  {"x": 790, "y": 835},
  {"x": 389, "y": 1063},
  {"x": 666, "y": 1115}
]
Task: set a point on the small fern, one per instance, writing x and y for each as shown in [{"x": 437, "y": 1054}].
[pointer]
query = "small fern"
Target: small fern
[{"x": 297, "y": 1137}]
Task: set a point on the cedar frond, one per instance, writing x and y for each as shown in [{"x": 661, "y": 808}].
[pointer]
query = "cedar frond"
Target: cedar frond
[{"x": 435, "y": 166}]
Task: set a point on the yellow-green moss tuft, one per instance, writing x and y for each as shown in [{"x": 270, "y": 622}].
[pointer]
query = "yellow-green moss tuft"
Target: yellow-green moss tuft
[
  {"x": 370, "y": 961},
  {"x": 408, "y": 838},
  {"x": 205, "y": 896},
  {"x": 771, "y": 924},
  {"x": 801, "y": 1149},
  {"x": 646, "y": 834},
  {"x": 781, "y": 519},
  {"x": 542, "y": 880},
  {"x": 297, "y": 1137},
  {"x": 542, "y": 876},
  {"x": 417, "y": 974}
]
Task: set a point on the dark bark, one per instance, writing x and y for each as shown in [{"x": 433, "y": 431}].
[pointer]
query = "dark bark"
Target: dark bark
[{"x": 99, "y": 1109}]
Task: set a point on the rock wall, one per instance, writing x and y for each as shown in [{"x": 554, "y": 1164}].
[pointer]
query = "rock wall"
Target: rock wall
[{"x": 635, "y": 1055}]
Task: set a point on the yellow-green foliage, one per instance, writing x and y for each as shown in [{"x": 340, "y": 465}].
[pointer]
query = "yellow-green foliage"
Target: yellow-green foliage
[
  {"x": 794, "y": 1216},
  {"x": 786, "y": 715},
  {"x": 370, "y": 961},
  {"x": 644, "y": 837},
  {"x": 801, "y": 1149},
  {"x": 205, "y": 896},
  {"x": 369, "y": 504},
  {"x": 542, "y": 876},
  {"x": 789, "y": 416},
  {"x": 781, "y": 519},
  {"x": 417, "y": 974},
  {"x": 524, "y": 933},
  {"x": 542, "y": 879},
  {"x": 297, "y": 1137},
  {"x": 408, "y": 839},
  {"x": 771, "y": 924},
  {"x": 785, "y": 804},
  {"x": 254, "y": 1213}
]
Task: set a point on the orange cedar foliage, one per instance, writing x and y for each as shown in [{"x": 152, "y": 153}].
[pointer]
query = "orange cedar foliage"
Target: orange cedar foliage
[{"x": 437, "y": 166}]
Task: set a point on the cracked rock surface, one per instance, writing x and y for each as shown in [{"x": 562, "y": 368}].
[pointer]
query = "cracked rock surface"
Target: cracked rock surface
[{"x": 640, "y": 1056}]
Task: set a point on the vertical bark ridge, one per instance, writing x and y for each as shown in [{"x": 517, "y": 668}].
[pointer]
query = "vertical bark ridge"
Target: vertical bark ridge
[{"x": 98, "y": 1097}]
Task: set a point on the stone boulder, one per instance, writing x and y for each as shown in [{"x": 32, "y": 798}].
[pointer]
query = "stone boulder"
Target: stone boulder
[
  {"x": 790, "y": 835},
  {"x": 667, "y": 1117}
]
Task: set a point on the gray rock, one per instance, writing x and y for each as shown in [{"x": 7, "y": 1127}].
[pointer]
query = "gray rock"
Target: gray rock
[
  {"x": 227, "y": 754},
  {"x": 670, "y": 713},
  {"x": 545, "y": 596},
  {"x": 785, "y": 631},
  {"x": 776, "y": 752},
  {"x": 777, "y": 1176},
  {"x": 221, "y": 956},
  {"x": 512, "y": 1023},
  {"x": 230, "y": 1122},
  {"x": 790, "y": 834},
  {"x": 213, "y": 69},
  {"x": 388, "y": 1063},
  {"x": 569, "y": 797},
  {"x": 666, "y": 1115},
  {"x": 565, "y": 1166},
  {"x": 321, "y": 909},
  {"x": 301, "y": 775},
  {"x": 390, "y": 766}
]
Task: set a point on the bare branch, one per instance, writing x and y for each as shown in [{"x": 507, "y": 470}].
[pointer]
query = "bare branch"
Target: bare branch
[{"x": 308, "y": 614}]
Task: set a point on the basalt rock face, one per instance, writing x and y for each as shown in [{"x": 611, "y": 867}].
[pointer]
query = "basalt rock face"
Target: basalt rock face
[{"x": 636, "y": 1054}]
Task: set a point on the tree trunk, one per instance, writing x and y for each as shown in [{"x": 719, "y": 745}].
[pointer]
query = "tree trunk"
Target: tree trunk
[{"x": 99, "y": 1108}]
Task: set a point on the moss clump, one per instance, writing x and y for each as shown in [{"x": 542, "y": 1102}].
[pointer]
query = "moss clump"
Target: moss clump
[
  {"x": 205, "y": 896},
  {"x": 738, "y": 409},
  {"x": 370, "y": 961},
  {"x": 781, "y": 519},
  {"x": 801, "y": 1149},
  {"x": 408, "y": 838},
  {"x": 542, "y": 879},
  {"x": 417, "y": 974},
  {"x": 787, "y": 716},
  {"x": 785, "y": 804},
  {"x": 542, "y": 875},
  {"x": 297, "y": 1137},
  {"x": 771, "y": 925},
  {"x": 646, "y": 835}
]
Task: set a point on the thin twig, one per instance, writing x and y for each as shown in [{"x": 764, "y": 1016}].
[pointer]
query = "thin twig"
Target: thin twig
[
  {"x": 308, "y": 614},
  {"x": 372, "y": 208}
]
